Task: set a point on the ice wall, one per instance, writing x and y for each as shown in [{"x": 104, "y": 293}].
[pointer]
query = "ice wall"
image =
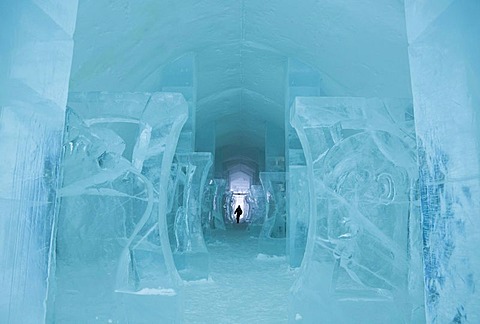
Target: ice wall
[
  {"x": 113, "y": 258},
  {"x": 35, "y": 58},
  {"x": 445, "y": 71},
  {"x": 362, "y": 261}
]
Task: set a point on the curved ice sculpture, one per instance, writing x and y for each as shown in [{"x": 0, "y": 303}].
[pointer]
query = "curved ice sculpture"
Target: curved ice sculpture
[
  {"x": 112, "y": 241},
  {"x": 363, "y": 257},
  {"x": 213, "y": 206},
  {"x": 191, "y": 255}
]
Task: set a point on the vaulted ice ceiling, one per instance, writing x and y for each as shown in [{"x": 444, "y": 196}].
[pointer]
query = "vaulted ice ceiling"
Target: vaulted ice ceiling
[{"x": 242, "y": 48}]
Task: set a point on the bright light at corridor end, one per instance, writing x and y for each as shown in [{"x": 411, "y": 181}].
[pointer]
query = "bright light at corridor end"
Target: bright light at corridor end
[
  {"x": 240, "y": 182},
  {"x": 239, "y": 185}
]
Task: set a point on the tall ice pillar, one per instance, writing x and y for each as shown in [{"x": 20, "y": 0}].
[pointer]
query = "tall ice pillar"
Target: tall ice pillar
[
  {"x": 191, "y": 255},
  {"x": 444, "y": 50},
  {"x": 36, "y": 50},
  {"x": 272, "y": 236}
]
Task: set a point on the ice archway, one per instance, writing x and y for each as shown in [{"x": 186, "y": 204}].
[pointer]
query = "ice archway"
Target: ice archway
[{"x": 240, "y": 65}]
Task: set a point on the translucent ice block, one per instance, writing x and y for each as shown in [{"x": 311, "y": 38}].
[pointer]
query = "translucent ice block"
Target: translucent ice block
[
  {"x": 36, "y": 50},
  {"x": 179, "y": 76},
  {"x": 272, "y": 236},
  {"x": 207, "y": 207},
  {"x": 191, "y": 255},
  {"x": 256, "y": 201},
  {"x": 218, "y": 210},
  {"x": 298, "y": 214},
  {"x": 114, "y": 260},
  {"x": 445, "y": 71},
  {"x": 362, "y": 261}
]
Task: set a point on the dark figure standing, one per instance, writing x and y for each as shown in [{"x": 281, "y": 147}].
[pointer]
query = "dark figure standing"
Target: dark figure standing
[{"x": 238, "y": 212}]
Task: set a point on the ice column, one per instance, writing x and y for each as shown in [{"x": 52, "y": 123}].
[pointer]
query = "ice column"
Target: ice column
[
  {"x": 179, "y": 76},
  {"x": 191, "y": 255},
  {"x": 362, "y": 261},
  {"x": 218, "y": 221},
  {"x": 207, "y": 207},
  {"x": 445, "y": 69},
  {"x": 298, "y": 214},
  {"x": 272, "y": 236},
  {"x": 302, "y": 81},
  {"x": 35, "y": 57},
  {"x": 256, "y": 202},
  {"x": 114, "y": 261},
  {"x": 274, "y": 149},
  {"x": 212, "y": 206}
]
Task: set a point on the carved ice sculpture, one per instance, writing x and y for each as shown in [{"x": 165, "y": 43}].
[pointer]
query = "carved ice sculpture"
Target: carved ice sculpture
[
  {"x": 272, "y": 235},
  {"x": 191, "y": 255},
  {"x": 256, "y": 202},
  {"x": 363, "y": 259},
  {"x": 229, "y": 207},
  {"x": 217, "y": 217},
  {"x": 112, "y": 247}
]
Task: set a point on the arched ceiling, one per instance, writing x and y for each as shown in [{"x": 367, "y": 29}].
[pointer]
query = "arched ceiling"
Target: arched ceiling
[
  {"x": 122, "y": 45},
  {"x": 242, "y": 49}
]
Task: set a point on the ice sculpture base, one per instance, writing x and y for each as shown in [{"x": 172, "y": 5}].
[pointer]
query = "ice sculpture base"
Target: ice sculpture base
[
  {"x": 192, "y": 266},
  {"x": 362, "y": 255},
  {"x": 134, "y": 305},
  {"x": 345, "y": 306}
]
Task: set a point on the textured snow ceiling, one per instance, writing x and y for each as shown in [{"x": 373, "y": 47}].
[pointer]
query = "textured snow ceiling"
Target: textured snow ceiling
[{"x": 242, "y": 50}]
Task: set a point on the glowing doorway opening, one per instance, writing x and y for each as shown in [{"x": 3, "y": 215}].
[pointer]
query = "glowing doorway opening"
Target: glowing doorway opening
[
  {"x": 239, "y": 199},
  {"x": 239, "y": 185}
]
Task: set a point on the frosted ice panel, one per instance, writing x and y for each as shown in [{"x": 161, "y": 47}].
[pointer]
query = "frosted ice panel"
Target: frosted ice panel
[
  {"x": 191, "y": 254},
  {"x": 228, "y": 204},
  {"x": 175, "y": 199},
  {"x": 40, "y": 45},
  {"x": 361, "y": 259},
  {"x": 35, "y": 60},
  {"x": 179, "y": 76},
  {"x": 272, "y": 236},
  {"x": 207, "y": 207},
  {"x": 112, "y": 240},
  {"x": 298, "y": 214},
  {"x": 256, "y": 200},
  {"x": 445, "y": 73},
  {"x": 218, "y": 210},
  {"x": 28, "y": 183},
  {"x": 303, "y": 81},
  {"x": 274, "y": 149},
  {"x": 212, "y": 209},
  {"x": 185, "y": 142}
]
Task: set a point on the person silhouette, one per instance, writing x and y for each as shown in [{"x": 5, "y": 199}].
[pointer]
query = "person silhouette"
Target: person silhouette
[{"x": 238, "y": 212}]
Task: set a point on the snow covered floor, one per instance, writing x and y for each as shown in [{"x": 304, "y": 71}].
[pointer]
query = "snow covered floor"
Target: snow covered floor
[{"x": 244, "y": 287}]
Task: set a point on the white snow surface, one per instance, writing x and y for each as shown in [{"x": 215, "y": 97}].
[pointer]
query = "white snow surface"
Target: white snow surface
[
  {"x": 152, "y": 291},
  {"x": 243, "y": 288}
]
